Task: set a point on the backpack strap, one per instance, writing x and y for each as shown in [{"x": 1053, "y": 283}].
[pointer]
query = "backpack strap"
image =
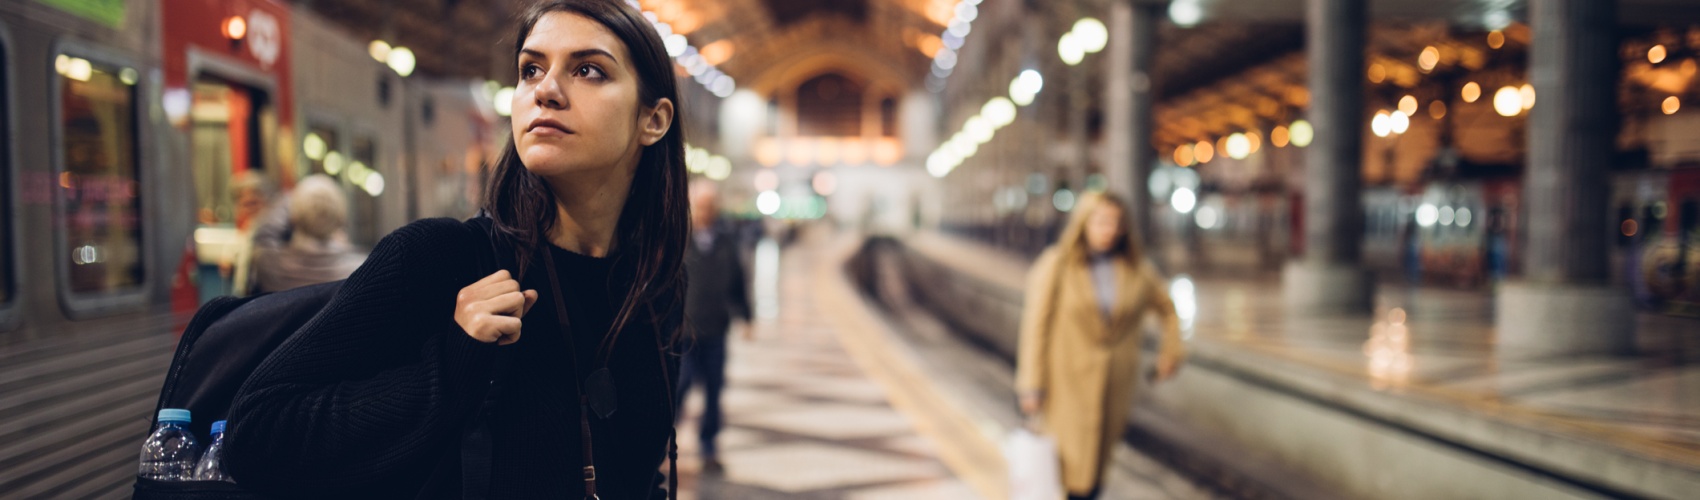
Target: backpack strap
[{"x": 476, "y": 446}]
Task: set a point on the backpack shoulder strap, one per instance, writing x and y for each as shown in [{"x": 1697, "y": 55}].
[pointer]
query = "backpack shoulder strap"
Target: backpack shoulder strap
[{"x": 476, "y": 447}]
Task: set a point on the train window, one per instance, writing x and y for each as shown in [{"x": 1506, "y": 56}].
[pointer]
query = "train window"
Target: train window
[
  {"x": 100, "y": 199},
  {"x": 321, "y": 145},
  {"x": 364, "y": 216}
]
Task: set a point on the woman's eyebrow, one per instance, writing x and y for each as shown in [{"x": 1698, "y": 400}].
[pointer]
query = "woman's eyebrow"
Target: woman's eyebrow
[{"x": 577, "y": 54}]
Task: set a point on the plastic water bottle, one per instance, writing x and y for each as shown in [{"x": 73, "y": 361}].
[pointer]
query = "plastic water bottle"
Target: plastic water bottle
[
  {"x": 170, "y": 452},
  {"x": 211, "y": 467}
]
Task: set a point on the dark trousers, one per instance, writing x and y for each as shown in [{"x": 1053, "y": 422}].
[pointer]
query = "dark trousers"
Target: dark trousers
[{"x": 704, "y": 362}]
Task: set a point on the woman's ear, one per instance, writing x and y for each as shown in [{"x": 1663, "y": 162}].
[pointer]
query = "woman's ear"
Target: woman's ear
[{"x": 656, "y": 121}]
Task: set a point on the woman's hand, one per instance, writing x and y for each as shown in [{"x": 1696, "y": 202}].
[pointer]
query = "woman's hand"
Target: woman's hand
[
  {"x": 1031, "y": 403},
  {"x": 490, "y": 309}
]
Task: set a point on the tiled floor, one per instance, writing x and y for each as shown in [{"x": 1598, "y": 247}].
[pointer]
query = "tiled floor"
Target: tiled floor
[
  {"x": 835, "y": 400},
  {"x": 804, "y": 421}
]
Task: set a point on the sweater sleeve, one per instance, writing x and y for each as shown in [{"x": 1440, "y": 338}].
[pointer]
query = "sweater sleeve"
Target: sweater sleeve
[{"x": 372, "y": 391}]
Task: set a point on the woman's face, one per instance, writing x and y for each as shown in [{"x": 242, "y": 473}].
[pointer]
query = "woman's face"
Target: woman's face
[
  {"x": 1103, "y": 228},
  {"x": 576, "y": 106}
]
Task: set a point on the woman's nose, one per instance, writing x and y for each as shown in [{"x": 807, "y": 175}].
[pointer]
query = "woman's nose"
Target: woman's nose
[{"x": 549, "y": 93}]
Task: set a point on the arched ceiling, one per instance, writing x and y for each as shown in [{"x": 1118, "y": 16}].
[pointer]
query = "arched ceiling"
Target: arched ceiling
[{"x": 765, "y": 44}]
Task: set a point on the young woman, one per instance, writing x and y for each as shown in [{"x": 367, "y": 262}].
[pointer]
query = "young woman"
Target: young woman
[
  {"x": 1080, "y": 337},
  {"x": 374, "y": 397}
]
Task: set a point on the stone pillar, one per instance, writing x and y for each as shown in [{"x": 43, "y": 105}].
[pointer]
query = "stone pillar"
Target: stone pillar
[
  {"x": 1565, "y": 304},
  {"x": 1079, "y": 145},
  {"x": 1329, "y": 278},
  {"x": 1128, "y": 154}
]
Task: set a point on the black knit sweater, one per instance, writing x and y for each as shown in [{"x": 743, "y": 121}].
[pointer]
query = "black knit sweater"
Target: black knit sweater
[{"x": 371, "y": 398}]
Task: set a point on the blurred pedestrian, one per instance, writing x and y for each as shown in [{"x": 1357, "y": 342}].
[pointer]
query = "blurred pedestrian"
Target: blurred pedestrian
[
  {"x": 226, "y": 249},
  {"x": 415, "y": 381},
  {"x": 1087, "y": 297},
  {"x": 717, "y": 294},
  {"x": 318, "y": 249}
]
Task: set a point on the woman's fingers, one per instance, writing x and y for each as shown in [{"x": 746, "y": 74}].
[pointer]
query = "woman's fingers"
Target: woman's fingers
[
  {"x": 490, "y": 309},
  {"x": 489, "y": 328},
  {"x": 492, "y": 278},
  {"x": 494, "y": 288},
  {"x": 530, "y": 300},
  {"x": 508, "y": 304}
]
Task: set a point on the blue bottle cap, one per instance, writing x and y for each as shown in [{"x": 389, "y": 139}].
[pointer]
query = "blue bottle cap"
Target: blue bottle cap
[
  {"x": 174, "y": 415},
  {"x": 218, "y": 427}
]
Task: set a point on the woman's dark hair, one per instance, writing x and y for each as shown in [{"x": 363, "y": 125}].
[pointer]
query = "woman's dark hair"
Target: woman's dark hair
[{"x": 655, "y": 221}]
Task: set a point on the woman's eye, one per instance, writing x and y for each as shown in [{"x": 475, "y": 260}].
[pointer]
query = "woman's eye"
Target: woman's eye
[
  {"x": 528, "y": 71},
  {"x": 588, "y": 71}
]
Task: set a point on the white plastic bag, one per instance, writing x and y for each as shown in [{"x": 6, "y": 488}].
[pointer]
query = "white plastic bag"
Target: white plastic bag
[{"x": 1034, "y": 470}]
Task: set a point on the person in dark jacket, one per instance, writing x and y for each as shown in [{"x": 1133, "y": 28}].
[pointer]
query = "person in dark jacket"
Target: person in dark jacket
[
  {"x": 717, "y": 294},
  {"x": 375, "y": 397}
]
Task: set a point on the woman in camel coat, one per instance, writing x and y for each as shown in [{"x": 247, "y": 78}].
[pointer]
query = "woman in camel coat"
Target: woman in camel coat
[{"x": 1078, "y": 363}]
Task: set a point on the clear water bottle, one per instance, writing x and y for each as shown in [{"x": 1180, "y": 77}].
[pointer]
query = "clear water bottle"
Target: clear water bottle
[
  {"x": 170, "y": 452},
  {"x": 211, "y": 467}
]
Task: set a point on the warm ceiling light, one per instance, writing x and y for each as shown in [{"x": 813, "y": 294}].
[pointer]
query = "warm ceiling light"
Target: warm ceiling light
[
  {"x": 1496, "y": 39},
  {"x": 1381, "y": 125},
  {"x": 235, "y": 27},
  {"x": 1070, "y": 50},
  {"x": 1507, "y": 101},
  {"x": 1203, "y": 151},
  {"x": 402, "y": 61},
  {"x": 379, "y": 49},
  {"x": 1527, "y": 94},
  {"x": 1236, "y": 146},
  {"x": 1302, "y": 133},
  {"x": 1183, "y": 155},
  {"x": 1377, "y": 73},
  {"x": 1656, "y": 54},
  {"x": 1408, "y": 105},
  {"x": 929, "y": 44},
  {"x": 1472, "y": 91},
  {"x": 717, "y": 52},
  {"x": 1279, "y": 137},
  {"x": 1671, "y": 104},
  {"x": 1429, "y": 58},
  {"x": 1437, "y": 109}
]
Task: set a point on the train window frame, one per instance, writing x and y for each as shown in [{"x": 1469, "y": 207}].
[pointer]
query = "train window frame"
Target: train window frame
[
  {"x": 9, "y": 195},
  {"x": 96, "y": 304}
]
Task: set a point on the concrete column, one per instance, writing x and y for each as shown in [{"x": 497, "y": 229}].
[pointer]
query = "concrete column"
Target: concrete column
[
  {"x": 1329, "y": 278},
  {"x": 1565, "y": 305},
  {"x": 1128, "y": 154},
  {"x": 1079, "y": 145}
]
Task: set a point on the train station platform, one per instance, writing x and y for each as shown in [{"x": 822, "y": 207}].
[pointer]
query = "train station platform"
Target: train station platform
[
  {"x": 1367, "y": 407},
  {"x": 840, "y": 397}
]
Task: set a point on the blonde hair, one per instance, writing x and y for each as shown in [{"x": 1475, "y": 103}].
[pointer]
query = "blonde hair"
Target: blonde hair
[
  {"x": 1071, "y": 245},
  {"x": 317, "y": 207}
]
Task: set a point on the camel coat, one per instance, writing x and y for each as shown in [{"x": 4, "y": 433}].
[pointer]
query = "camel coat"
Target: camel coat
[{"x": 1087, "y": 367}]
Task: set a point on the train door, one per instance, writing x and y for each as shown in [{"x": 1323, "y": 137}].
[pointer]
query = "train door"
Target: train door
[
  {"x": 231, "y": 134},
  {"x": 100, "y": 168}
]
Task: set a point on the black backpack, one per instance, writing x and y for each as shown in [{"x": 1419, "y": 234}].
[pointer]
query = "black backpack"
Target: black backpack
[{"x": 229, "y": 337}]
